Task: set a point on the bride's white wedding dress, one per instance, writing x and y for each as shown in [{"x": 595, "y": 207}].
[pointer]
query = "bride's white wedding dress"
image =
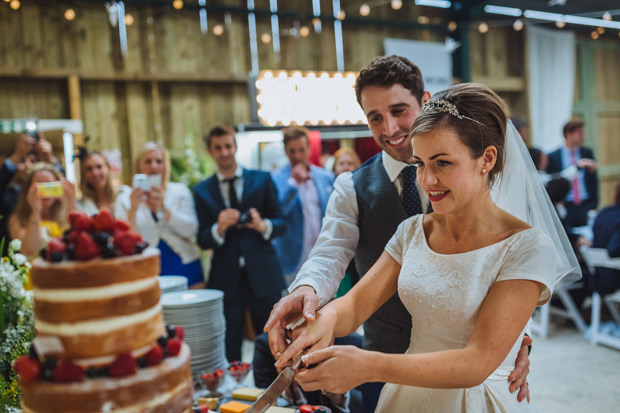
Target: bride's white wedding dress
[{"x": 444, "y": 294}]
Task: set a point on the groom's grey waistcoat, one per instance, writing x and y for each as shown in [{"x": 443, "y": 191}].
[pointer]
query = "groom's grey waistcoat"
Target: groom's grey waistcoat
[{"x": 380, "y": 212}]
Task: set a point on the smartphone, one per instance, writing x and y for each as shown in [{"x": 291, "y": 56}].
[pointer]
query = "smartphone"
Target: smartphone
[
  {"x": 140, "y": 181},
  {"x": 34, "y": 134},
  {"x": 50, "y": 189},
  {"x": 154, "y": 181}
]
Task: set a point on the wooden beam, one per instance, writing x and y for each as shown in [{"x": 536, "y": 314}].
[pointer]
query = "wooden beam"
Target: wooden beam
[
  {"x": 502, "y": 84},
  {"x": 75, "y": 104},
  {"x": 89, "y": 75}
]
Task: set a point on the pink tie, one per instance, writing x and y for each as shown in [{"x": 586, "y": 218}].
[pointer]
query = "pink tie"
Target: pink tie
[{"x": 575, "y": 183}]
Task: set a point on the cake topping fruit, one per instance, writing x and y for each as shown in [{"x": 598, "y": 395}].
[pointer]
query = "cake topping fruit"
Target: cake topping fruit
[
  {"x": 180, "y": 332},
  {"x": 154, "y": 356},
  {"x": 67, "y": 371},
  {"x": 99, "y": 236},
  {"x": 27, "y": 368},
  {"x": 173, "y": 347},
  {"x": 123, "y": 365}
]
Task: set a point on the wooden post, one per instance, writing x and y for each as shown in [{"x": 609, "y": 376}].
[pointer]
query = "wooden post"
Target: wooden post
[
  {"x": 75, "y": 104},
  {"x": 152, "y": 68}
]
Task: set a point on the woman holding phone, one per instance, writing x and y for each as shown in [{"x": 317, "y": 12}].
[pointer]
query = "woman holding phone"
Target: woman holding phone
[
  {"x": 42, "y": 207},
  {"x": 163, "y": 212},
  {"x": 96, "y": 184}
]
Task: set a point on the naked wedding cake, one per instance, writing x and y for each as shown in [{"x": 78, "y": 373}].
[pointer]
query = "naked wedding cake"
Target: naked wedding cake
[{"x": 101, "y": 342}]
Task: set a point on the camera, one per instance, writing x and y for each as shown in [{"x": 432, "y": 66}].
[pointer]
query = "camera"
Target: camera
[
  {"x": 31, "y": 129},
  {"x": 245, "y": 218}
]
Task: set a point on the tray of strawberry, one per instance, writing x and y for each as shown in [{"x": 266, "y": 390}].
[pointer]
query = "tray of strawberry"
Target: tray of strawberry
[
  {"x": 238, "y": 370},
  {"x": 308, "y": 408},
  {"x": 213, "y": 381},
  {"x": 91, "y": 237}
]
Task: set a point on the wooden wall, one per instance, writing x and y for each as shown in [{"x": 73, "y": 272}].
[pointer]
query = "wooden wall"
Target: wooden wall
[{"x": 174, "y": 82}]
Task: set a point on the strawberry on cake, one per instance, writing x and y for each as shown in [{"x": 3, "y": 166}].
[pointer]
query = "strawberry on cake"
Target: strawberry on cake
[{"x": 96, "y": 294}]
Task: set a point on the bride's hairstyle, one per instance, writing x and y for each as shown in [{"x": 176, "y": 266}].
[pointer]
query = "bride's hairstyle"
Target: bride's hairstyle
[{"x": 475, "y": 113}]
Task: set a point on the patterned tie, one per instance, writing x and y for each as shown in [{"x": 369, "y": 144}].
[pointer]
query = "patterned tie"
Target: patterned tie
[
  {"x": 575, "y": 183},
  {"x": 411, "y": 199},
  {"x": 232, "y": 194}
]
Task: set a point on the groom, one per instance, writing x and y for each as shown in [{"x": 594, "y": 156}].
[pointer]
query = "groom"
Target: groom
[{"x": 363, "y": 213}]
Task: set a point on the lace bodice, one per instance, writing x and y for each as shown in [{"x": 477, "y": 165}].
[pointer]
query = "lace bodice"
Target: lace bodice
[{"x": 444, "y": 294}]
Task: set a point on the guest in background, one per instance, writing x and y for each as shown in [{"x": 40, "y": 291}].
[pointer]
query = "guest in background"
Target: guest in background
[
  {"x": 521, "y": 125},
  {"x": 541, "y": 161},
  {"x": 96, "y": 184},
  {"x": 29, "y": 148},
  {"x": 606, "y": 230},
  {"x": 303, "y": 191},
  {"x": 583, "y": 195},
  {"x": 164, "y": 215},
  {"x": 345, "y": 160},
  {"x": 239, "y": 215},
  {"x": 35, "y": 219}
]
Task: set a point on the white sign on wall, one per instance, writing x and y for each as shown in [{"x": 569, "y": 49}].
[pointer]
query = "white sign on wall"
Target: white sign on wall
[{"x": 434, "y": 60}]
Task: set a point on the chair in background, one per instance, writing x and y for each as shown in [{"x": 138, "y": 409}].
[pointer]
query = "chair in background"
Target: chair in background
[
  {"x": 598, "y": 257},
  {"x": 539, "y": 322}
]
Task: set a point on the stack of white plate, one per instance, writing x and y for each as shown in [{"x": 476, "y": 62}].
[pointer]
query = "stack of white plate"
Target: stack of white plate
[
  {"x": 201, "y": 314},
  {"x": 170, "y": 283}
]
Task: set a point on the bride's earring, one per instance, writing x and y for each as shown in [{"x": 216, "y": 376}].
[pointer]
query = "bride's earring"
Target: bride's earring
[{"x": 484, "y": 171}]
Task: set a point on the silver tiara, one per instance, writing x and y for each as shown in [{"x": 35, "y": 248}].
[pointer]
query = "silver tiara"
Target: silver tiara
[{"x": 442, "y": 105}]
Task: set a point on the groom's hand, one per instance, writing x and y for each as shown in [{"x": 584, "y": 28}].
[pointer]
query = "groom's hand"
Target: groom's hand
[
  {"x": 302, "y": 301},
  {"x": 518, "y": 377}
]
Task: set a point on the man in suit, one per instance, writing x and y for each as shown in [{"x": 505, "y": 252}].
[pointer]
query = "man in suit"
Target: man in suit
[
  {"x": 239, "y": 215},
  {"x": 579, "y": 160},
  {"x": 303, "y": 191},
  {"x": 363, "y": 213}
]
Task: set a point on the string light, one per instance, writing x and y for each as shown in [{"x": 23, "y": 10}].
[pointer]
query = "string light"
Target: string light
[
  {"x": 560, "y": 24},
  {"x": 70, "y": 14},
  {"x": 316, "y": 21},
  {"x": 218, "y": 30},
  {"x": 600, "y": 30},
  {"x": 364, "y": 9},
  {"x": 594, "y": 35},
  {"x": 607, "y": 16},
  {"x": 452, "y": 26},
  {"x": 15, "y": 4},
  {"x": 397, "y": 4},
  {"x": 518, "y": 25},
  {"x": 304, "y": 31},
  {"x": 423, "y": 19},
  {"x": 483, "y": 27},
  {"x": 342, "y": 15},
  {"x": 265, "y": 38},
  {"x": 129, "y": 20},
  {"x": 177, "y": 4}
]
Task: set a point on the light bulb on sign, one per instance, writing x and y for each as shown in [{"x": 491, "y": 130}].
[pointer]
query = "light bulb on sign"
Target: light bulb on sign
[
  {"x": 364, "y": 9},
  {"x": 397, "y": 4},
  {"x": 483, "y": 27},
  {"x": 218, "y": 30},
  {"x": 518, "y": 25},
  {"x": 70, "y": 14}
]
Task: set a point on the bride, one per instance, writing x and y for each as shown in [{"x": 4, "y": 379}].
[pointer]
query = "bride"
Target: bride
[{"x": 471, "y": 273}]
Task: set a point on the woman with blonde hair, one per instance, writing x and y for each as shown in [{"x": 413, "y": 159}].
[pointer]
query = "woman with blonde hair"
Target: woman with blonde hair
[
  {"x": 37, "y": 219},
  {"x": 96, "y": 184},
  {"x": 164, "y": 214},
  {"x": 345, "y": 160}
]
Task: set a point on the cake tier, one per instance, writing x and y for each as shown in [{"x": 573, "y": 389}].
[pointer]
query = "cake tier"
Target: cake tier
[
  {"x": 99, "y": 308},
  {"x": 166, "y": 387}
]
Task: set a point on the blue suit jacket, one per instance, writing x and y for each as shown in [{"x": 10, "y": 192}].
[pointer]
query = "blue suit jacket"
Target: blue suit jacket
[
  {"x": 591, "y": 178},
  {"x": 261, "y": 263},
  {"x": 289, "y": 246}
]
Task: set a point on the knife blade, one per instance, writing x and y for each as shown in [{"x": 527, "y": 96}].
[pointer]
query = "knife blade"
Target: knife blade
[{"x": 275, "y": 389}]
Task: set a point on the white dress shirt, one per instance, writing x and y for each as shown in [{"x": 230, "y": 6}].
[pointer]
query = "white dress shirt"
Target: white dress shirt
[
  {"x": 179, "y": 232},
  {"x": 238, "y": 186},
  {"x": 337, "y": 241}
]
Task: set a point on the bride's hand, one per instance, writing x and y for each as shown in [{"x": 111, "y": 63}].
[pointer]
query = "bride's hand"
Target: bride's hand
[
  {"x": 340, "y": 369},
  {"x": 313, "y": 335}
]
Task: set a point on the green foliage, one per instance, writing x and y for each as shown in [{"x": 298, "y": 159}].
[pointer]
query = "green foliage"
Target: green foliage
[
  {"x": 192, "y": 166},
  {"x": 16, "y": 322}
]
